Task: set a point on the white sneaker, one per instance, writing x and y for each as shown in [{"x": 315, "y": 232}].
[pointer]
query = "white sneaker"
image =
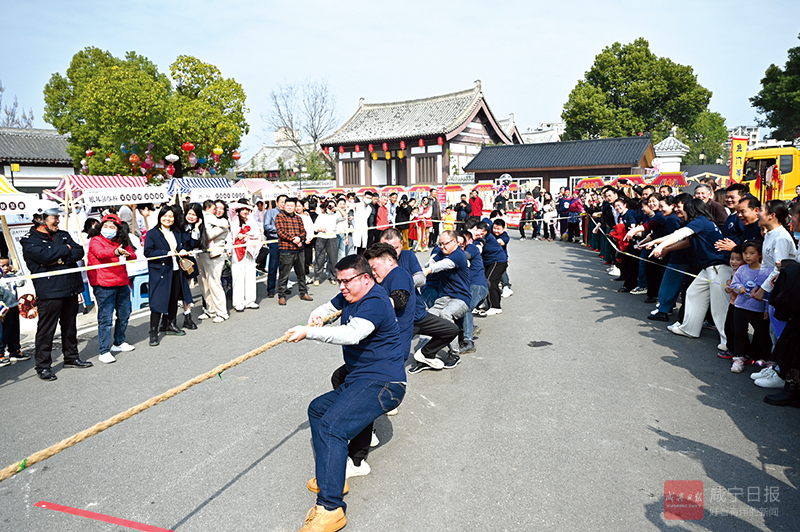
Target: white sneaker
[
  {"x": 773, "y": 381},
  {"x": 614, "y": 271},
  {"x": 507, "y": 292},
  {"x": 124, "y": 347},
  {"x": 205, "y": 316},
  {"x": 353, "y": 470},
  {"x": 290, "y": 284},
  {"x": 392, "y": 412},
  {"x": 676, "y": 329},
  {"x": 375, "y": 441},
  {"x": 764, "y": 373},
  {"x": 106, "y": 358},
  {"x": 252, "y": 305},
  {"x": 493, "y": 311},
  {"x": 722, "y": 347},
  {"x": 639, "y": 291},
  {"x": 218, "y": 319},
  {"x": 435, "y": 363}
]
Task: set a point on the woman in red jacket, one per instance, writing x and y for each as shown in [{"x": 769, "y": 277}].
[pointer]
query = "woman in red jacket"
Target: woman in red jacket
[{"x": 109, "y": 244}]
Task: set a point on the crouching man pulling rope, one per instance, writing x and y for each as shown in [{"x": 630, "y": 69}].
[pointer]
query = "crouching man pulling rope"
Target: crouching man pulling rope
[{"x": 375, "y": 382}]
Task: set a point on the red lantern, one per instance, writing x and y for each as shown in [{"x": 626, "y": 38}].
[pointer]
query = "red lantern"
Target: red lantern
[
  {"x": 341, "y": 149},
  {"x": 440, "y": 140},
  {"x": 402, "y": 144},
  {"x": 358, "y": 148},
  {"x": 421, "y": 143},
  {"x": 327, "y": 150},
  {"x": 371, "y": 148},
  {"x": 187, "y": 146},
  {"x": 236, "y": 156},
  {"x": 134, "y": 159},
  {"x": 385, "y": 146},
  {"x": 89, "y": 153},
  {"x": 170, "y": 170}
]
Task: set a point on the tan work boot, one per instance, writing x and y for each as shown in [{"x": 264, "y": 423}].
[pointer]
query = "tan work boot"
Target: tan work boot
[
  {"x": 312, "y": 486},
  {"x": 321, "y": 520}
]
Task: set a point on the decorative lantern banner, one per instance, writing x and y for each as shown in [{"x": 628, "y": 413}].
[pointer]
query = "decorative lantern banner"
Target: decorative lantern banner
[{"x": 738, "y": 151}]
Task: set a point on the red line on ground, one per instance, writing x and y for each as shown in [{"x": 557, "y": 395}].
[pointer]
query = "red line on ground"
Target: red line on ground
[{"x": 100, "y": 517}]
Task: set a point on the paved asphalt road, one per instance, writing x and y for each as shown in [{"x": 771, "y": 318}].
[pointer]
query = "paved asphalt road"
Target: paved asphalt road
[{"x": 571, "y": 416}]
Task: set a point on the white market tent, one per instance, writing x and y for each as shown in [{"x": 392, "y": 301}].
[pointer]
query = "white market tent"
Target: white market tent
[
  {"x": 203, "y": 188},
  {"x": 268, "y": 190},
  {"x": 76, "y": 184}
]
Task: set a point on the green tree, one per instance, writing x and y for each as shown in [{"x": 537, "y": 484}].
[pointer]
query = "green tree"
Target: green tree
[
  {"x": 779, "y": 98},
  {"x": 105, "y": 102},
  {"x": 706, "y": 135},
  {"x": 630, "y": 91}
]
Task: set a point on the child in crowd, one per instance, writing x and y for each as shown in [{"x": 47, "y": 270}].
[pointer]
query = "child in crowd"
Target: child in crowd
[
  {"x": 500, "y": 233},
  {"x": 9, "y": 309},
  {"x": 449, "y": 219},
  {"x": 413, "y": 229},
  {"x": 750, "y": 311},
  {"x": 736, "y": 261}
]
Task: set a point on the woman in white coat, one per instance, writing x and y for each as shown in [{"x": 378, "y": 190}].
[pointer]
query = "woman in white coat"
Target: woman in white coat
[{"x": 247, "y": 234}]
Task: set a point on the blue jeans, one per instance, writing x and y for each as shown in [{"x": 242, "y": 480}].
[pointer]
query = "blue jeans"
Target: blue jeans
[
  {"x": 641, "y": 280},
  {"x": 273, "y": 263},
  {"x": 336, "y": 418},
  {"x": 110, "y": 299},
  {"x": 479, "y": 293},
  {"x": 671, "y": 285}
]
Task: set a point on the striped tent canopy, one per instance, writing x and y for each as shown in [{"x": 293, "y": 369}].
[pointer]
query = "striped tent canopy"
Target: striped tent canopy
[
  {"x": 334, "y": 191},
  {"x": 483, "y": 187},
  {"x": 369, "y": 189},
  {"x": 453, "y": 188},
  {"x": 253, "y": 185},
  {"x": 590, "y": 182},
  {"x": 393, "y": 189},
  {"x": 185, "y": 185},
  {"x": 79, "y": 183},
  {"x": 6, "y": 187},
  {"x": 673, "y": 179},
  {"x": 632, "y": 180},
  {"x": 310, "y": 192},
  {"x": 420, "y": 188}
]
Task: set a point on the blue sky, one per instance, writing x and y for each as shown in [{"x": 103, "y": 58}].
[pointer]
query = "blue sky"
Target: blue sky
[{"x": 528, "y": 54}]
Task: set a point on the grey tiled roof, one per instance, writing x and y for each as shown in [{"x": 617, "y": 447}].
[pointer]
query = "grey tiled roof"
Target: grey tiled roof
[
  {"x": 33, "y": 146},
  {"x": 596, "y": 152},
  {"x": 671, "y": 144},
  {"x": 409, "y": 119}
]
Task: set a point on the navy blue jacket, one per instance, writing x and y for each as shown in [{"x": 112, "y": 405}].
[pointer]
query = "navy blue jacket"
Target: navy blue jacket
[
  {"x": 160, "y": 270},
  {"x": 44, "y": 252}
]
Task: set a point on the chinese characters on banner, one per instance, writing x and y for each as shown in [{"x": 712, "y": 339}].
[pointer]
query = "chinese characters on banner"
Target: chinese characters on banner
[{"x": 738, "y": 151}]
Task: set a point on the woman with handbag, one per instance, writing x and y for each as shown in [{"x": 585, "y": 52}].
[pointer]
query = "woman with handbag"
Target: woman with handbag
[
  {"x": 211, "y": 262},
  {"x": 194, "y": 228},
  {"x": 246, "y": 246},
  {"x": 168, "y": 250},
  {"x": 109, "y": 243}
]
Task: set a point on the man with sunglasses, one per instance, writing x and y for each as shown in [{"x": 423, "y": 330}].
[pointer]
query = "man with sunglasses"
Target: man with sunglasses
[{"x": 375, "y": 382}]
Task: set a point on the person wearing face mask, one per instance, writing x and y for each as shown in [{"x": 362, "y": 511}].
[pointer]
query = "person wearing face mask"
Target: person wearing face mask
[
  {"x": 109, "y": 243},
  {"x": 47, "y": 249},
  {"x": 327, "y": 245}
]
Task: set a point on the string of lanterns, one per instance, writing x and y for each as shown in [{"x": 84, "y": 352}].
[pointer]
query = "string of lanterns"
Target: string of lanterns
[{"x": 385, "y": 147}]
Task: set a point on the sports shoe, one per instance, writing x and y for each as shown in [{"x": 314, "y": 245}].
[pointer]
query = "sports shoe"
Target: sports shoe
[
  {"x": 5, "y": 361},
  {"x": 124, "y": 347},
  {"x": 639, "y": 290},
  {"x": 722, "y": 347},
  {"x": 417, "y": 367},
  {"x": 356, "y": 471},
  {"x": 738, "y": 364},
  {"x": 251, "y": 306},
  {"x": 773, "y": 381},
  {"x": 18, "y": 356},
  {"x": 476, "y": 331},
  {"x": 434, "y": 362},
  {"x": 507, "y": 292},
  {"x": 316, "y": 282},
  {"x": 106, "y": 358},
  {"x": 658, "y": 316},
  {"x": 320, "y": 519},
  {"x": 656, "y": 311},
  {"x": 764, "y": 373},
  {"x": 218, "y": 319},
  {"x": 725, "y": 354},
  {"x": 392, "y": 412},
  {"x": 676, "y": 329},
  {"x": 614, "y": 271},
  {"x": 467, "y": 347},
  {"x": 374, "y": 442},
  {"x": 479, "y": 313},
  {"x": 493, "y": 311},
  {"x": 290, "y": 284},
  {"x": 312, "y": 486},
  {"x": 451, "y": 361},
  {"x": 205, "y": 316}
]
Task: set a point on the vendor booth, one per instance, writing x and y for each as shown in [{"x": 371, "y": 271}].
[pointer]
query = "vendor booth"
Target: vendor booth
[
  {"x": 263, "y": 188},
  {"x": 200, "y": 189}
]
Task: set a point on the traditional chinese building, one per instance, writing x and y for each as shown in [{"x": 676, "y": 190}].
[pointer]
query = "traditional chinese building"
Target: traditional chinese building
[
  {"x": 415, "y": 142},
  {"x": 41, "y": 155},
  {"x": 562, "y": 164}
]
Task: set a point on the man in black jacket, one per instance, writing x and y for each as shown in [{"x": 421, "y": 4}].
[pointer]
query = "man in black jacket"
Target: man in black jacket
[{"x": 47, "y": 249}]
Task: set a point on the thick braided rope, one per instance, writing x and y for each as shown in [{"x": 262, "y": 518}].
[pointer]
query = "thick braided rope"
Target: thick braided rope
[{"x": 44, "y": 454}]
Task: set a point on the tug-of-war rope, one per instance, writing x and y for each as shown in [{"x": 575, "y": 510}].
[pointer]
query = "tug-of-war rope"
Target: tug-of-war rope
[{"x": 44, "y": 454}]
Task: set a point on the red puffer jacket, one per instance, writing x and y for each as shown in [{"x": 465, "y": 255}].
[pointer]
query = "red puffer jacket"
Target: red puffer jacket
[{"x": 101, "y": 251}]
